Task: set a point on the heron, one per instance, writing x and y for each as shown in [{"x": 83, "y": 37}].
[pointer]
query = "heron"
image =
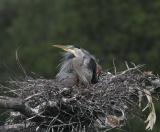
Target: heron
[{"x": 78, "y": 66}]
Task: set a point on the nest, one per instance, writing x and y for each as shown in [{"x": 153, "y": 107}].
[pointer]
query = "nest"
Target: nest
[{"x": 51, "y": 107}]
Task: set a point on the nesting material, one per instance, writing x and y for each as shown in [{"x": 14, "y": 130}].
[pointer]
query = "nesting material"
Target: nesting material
[{"x": 108, "y": 104}]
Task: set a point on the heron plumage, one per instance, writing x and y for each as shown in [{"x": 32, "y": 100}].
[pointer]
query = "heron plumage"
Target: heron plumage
[{"x": 78, "y": 63}]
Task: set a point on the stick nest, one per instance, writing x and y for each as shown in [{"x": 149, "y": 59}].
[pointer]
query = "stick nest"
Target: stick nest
[{"x": 106, "y": 104}]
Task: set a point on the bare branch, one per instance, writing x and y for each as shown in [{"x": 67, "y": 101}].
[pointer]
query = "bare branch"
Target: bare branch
[{"x": 16, "y": 104}]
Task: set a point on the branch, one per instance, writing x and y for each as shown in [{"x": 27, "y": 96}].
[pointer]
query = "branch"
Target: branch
[
  {"x": 18, "y": 128},
  {"x": 12, "y": 128},
  {"x": 16, "y": 104}
]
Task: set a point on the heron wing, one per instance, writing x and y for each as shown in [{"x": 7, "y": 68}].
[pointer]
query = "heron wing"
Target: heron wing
[{"x": 81, "y": 68}]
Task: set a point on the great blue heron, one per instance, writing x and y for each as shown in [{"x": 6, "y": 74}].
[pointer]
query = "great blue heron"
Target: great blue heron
[{"x": 78, "y": 66}]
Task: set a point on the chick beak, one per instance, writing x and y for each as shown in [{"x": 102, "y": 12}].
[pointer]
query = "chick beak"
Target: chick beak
[
  {"x": 62, "y": 47},
  {"x": 65, "y": 48}
]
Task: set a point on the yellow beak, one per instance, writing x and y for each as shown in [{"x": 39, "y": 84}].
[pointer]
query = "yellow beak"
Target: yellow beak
[
  {"x": 62, "y": 47},
  {"x": 65, "y": 48}
]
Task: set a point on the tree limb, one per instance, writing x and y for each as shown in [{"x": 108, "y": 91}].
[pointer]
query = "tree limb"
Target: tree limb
[{"x": 16, "y": 104}]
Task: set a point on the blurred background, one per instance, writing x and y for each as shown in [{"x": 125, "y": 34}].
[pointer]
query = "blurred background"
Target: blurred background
[{"x": 112, "y": 30}]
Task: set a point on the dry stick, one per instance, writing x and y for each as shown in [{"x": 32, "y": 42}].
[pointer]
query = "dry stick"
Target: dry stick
[
  {"x": 19, "y": 64},
  {"x": 16, "y": 104},
  {"x": 14, "y": 128},
  {"x": 127, "y": 65},
  {"x": 29, "y": 97},
  {"x": 10, "y": 90},
  {"x": 52, "y": 121},
  {"x": 115, "y": 69},
  {"x": 131, "y": 69}
]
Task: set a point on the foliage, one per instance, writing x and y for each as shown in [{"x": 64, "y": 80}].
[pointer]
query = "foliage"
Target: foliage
[{"x": 111, "y": 29}]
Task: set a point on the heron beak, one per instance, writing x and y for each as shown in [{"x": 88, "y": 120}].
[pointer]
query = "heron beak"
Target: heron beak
[
  {"x": 62, "y": 47},
  {"x": 65, "y": 48}
]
